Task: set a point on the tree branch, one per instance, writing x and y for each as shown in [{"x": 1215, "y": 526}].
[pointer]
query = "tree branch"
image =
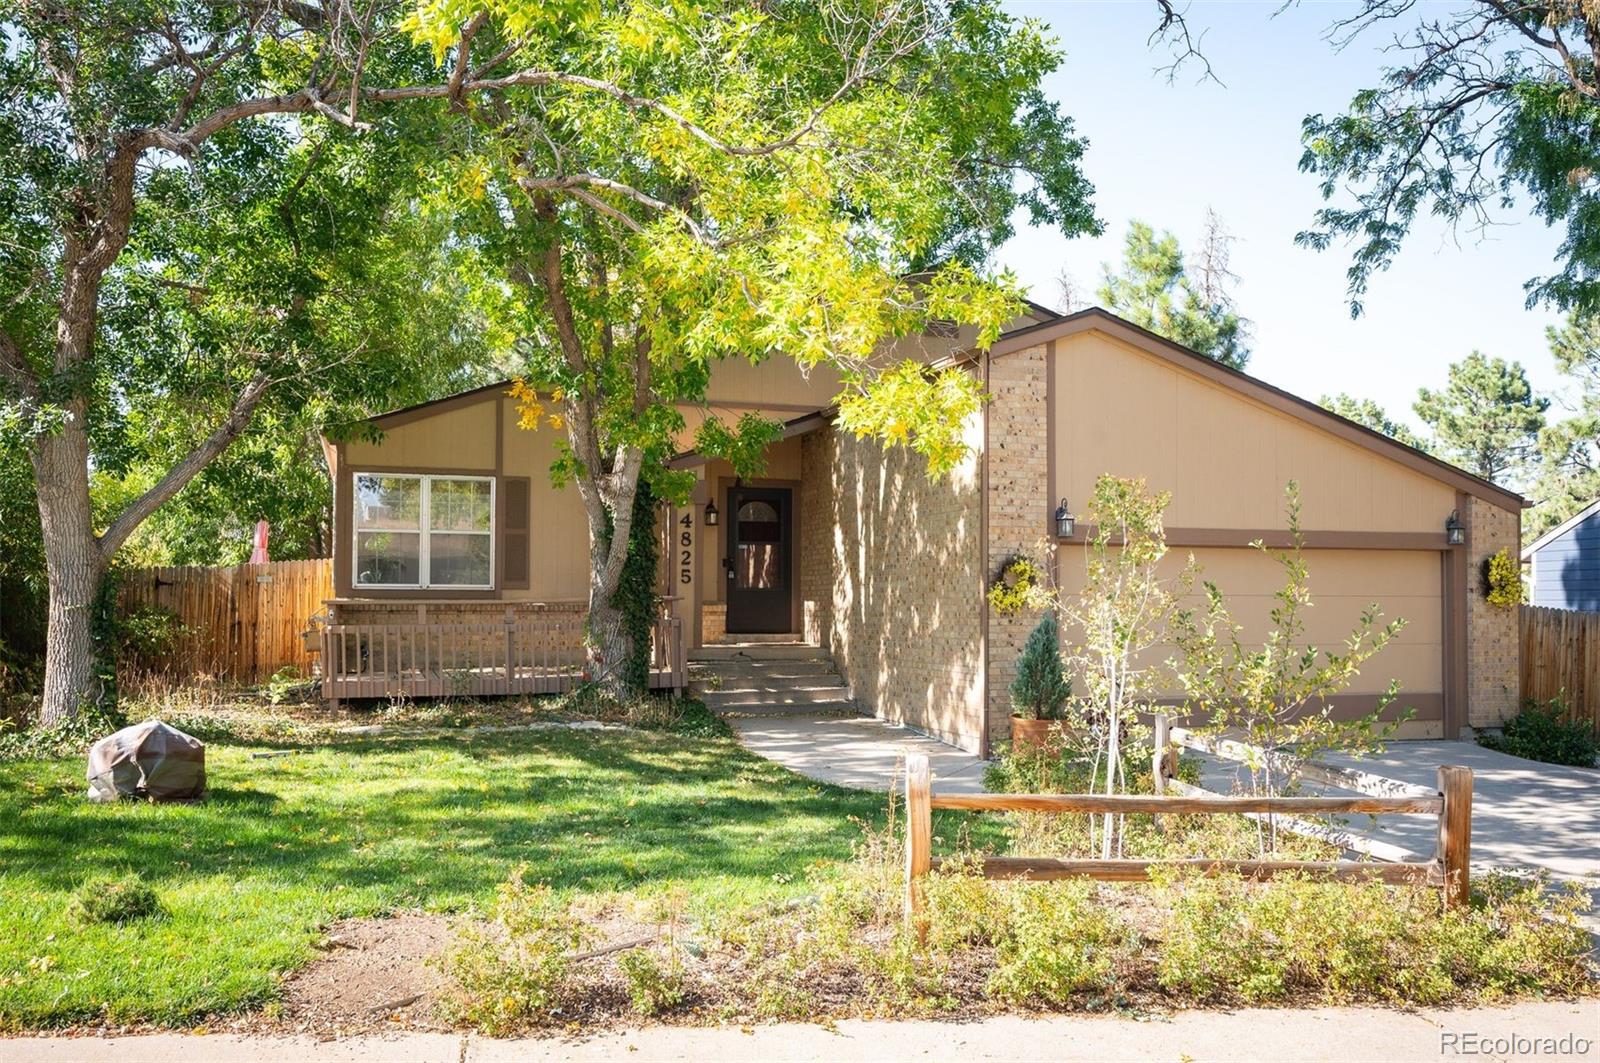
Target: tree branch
[{"x": 232, "y": 426}]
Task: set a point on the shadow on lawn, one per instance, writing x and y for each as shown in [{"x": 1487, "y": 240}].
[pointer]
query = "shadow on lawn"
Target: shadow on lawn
[{"x": 441, "y": 819}]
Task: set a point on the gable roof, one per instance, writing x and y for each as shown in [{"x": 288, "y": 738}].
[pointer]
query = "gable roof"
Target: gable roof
[
  {"x": 1097, "y": 318},
  {"x": 1561, "y": 529}
]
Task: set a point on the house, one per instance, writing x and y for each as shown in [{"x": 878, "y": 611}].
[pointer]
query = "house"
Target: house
[
  {"x": 852, "y": 549},
  {"x": 1565, "y": 563}
]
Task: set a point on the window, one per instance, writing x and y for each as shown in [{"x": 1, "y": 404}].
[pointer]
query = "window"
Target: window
[{"x": 424, "y": 531}]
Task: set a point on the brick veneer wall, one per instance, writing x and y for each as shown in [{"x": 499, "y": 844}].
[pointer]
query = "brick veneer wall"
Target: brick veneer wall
[
  {"x": 1019, "y": 504},
  {"x": 890, "y": 571},
  {"x": 1493, "y": 645}
]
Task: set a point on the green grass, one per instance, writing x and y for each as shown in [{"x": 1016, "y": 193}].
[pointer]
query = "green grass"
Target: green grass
[{"x": 282, "y": 846}]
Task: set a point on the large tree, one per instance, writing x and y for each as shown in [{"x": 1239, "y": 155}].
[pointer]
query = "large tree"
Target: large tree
[
  {"x": 680, "y": 186},
  {"x": 165, "y": 268},
  {"x": 1488, "y": 102},
  {"x": 1486, "y": 418},
  {"x": 1569, "y": 449},
  {"x": 1155, "y": 289}
]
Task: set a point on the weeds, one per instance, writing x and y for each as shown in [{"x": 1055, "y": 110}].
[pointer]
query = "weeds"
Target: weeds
[
  {"x": 113, "y": 899},
  {"x": 655, "y": 983},
  {"x": 514, "y": 975}
]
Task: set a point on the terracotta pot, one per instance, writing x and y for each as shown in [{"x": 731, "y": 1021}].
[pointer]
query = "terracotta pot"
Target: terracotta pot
[{"x": 1032, "y": 734}]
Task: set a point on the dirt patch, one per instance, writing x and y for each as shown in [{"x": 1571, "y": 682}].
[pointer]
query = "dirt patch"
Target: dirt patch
[{"x": 374, "y": 973}]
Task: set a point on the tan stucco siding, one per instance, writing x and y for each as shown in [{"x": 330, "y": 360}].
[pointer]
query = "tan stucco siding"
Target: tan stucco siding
[
  {"x": 559, "y": 567},
  {"x": 460, "y": 438},
  {"x": 891, "y": 580},
  {"x": 1224, "y": 457},
  {"x": 463, "y": 439},
  {"x": 1404, "y": 584}
]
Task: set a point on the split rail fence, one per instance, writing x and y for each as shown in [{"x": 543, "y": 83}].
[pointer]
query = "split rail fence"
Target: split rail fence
[{"x": 1451, "y": 803}]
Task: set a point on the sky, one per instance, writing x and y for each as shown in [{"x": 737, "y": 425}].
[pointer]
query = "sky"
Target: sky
[{"x": 1164, "y": 152}]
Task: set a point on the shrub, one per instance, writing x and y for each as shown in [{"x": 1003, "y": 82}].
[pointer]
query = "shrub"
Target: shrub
[
  {"x": 113, "y": 899},
  {"x": 1059, "y": 941},
  {"x": 654, "y": 985},
  {"x": 514, "y": 976},
  {"x": 147, "y": 634},
  {"x": 1225, "y": 939},
  {"x": 1542, "y": 731},
  {"x": 1041, "y": 687},
  {"x": 70, "y": 737}
]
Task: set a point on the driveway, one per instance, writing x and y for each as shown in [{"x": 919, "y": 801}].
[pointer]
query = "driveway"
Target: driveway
[{"x": 1524, "y": 814}]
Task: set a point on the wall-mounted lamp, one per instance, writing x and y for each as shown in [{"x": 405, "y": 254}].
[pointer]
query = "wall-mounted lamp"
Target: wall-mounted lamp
[
  {"x": 1066, "y": 523},
  {"x": 1454, "y": 533},
  {"x": 711, "y": 514}
]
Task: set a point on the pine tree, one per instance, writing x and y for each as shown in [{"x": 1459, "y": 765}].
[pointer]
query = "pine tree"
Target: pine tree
[
  {"x": 1486, "y": 418},
  {"x": 1154, "y": 290},
  {"x": 1041, "y": 687}
]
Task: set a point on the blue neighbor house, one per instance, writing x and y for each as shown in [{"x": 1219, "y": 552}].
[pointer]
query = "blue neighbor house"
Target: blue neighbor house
[{"x": 1566, "y": 563}]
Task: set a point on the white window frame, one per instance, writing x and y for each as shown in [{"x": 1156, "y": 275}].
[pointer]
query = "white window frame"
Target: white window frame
[{"x": 424, "y": 532}]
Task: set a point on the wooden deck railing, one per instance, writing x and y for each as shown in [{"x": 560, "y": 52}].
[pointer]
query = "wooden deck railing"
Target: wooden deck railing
[
  {"x": 1451, "y": 803},
  {"x": 537, "y": 653}
]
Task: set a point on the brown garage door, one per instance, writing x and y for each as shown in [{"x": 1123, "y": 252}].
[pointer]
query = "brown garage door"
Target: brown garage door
[{"x": 1404, "y": 583}]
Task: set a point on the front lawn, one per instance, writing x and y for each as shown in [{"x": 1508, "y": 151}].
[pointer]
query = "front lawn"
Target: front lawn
[{"x": 358, "y": 827}]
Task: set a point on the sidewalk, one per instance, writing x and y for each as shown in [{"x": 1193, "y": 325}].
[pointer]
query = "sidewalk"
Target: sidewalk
[
  {"x": 857, "y": 751},
  {"x": 1345, "y": 1035}
]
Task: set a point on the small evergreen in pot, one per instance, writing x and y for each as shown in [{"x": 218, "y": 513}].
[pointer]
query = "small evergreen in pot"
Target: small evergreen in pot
[{"x": 1040, "y": 691}]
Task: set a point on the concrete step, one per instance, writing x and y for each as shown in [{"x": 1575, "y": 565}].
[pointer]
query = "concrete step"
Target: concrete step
[
  {"x": 757, "y": 651},
  {"x": 755, "y": 639},
  {"x": 727, "y": 699},
  {"x": 737, "y": 669},
  {"x": 827, "y": 708}
]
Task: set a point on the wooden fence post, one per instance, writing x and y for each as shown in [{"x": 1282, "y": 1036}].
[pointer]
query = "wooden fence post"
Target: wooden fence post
[
  {"x": 1158, "y": 758},
  {"x": 919, "y": 839},
  {"x": 1455, "y": 832}
]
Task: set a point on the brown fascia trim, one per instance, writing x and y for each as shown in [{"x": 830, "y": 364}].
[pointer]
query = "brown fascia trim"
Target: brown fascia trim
[
  {"x": 1279, "y": 539},
  {"x": 1262, "y": 392}
]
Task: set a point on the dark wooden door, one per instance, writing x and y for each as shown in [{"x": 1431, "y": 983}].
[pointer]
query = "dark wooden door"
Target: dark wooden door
[{"x": 760, "y": 560}]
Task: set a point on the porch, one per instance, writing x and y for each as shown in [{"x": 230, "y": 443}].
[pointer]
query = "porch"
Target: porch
[{"x": 469, "y": 648}]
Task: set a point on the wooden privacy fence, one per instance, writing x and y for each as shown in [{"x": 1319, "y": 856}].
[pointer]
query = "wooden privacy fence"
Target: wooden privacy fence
[
  {"x": 240, "y": 624},
  {"x": 1452, "y": 804},
  {"x": 1561, "y": 657}
]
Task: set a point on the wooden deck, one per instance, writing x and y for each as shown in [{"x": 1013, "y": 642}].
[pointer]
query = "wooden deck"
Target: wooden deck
[{"x": 542, "y": 654}]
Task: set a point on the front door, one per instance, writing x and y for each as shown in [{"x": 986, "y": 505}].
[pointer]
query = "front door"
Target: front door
[{"x": 760, "y": 560}]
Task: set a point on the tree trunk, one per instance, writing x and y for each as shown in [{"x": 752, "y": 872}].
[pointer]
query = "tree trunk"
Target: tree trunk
[
  {"x": 607, "y": 645},
  {"x": 74, "y": 566}
]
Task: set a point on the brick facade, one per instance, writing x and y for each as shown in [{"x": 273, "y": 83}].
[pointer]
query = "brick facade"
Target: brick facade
[
  {"x": 1493, "y": 645},
  {"x": 1019, "y": 506},
  {"x": 889, "y": 580}
]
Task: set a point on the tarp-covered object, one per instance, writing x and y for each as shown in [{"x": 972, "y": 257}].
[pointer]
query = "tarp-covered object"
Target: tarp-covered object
[{"x": 149, "y": 760}]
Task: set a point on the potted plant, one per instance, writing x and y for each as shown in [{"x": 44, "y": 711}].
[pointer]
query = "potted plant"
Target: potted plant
[{"x": 1040, "y": 691}]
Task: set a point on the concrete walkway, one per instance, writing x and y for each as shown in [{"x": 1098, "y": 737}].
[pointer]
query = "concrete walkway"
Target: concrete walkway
[
  {"x": 855, "y": 751},
  {"x": 1345, "y": 1035}
]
